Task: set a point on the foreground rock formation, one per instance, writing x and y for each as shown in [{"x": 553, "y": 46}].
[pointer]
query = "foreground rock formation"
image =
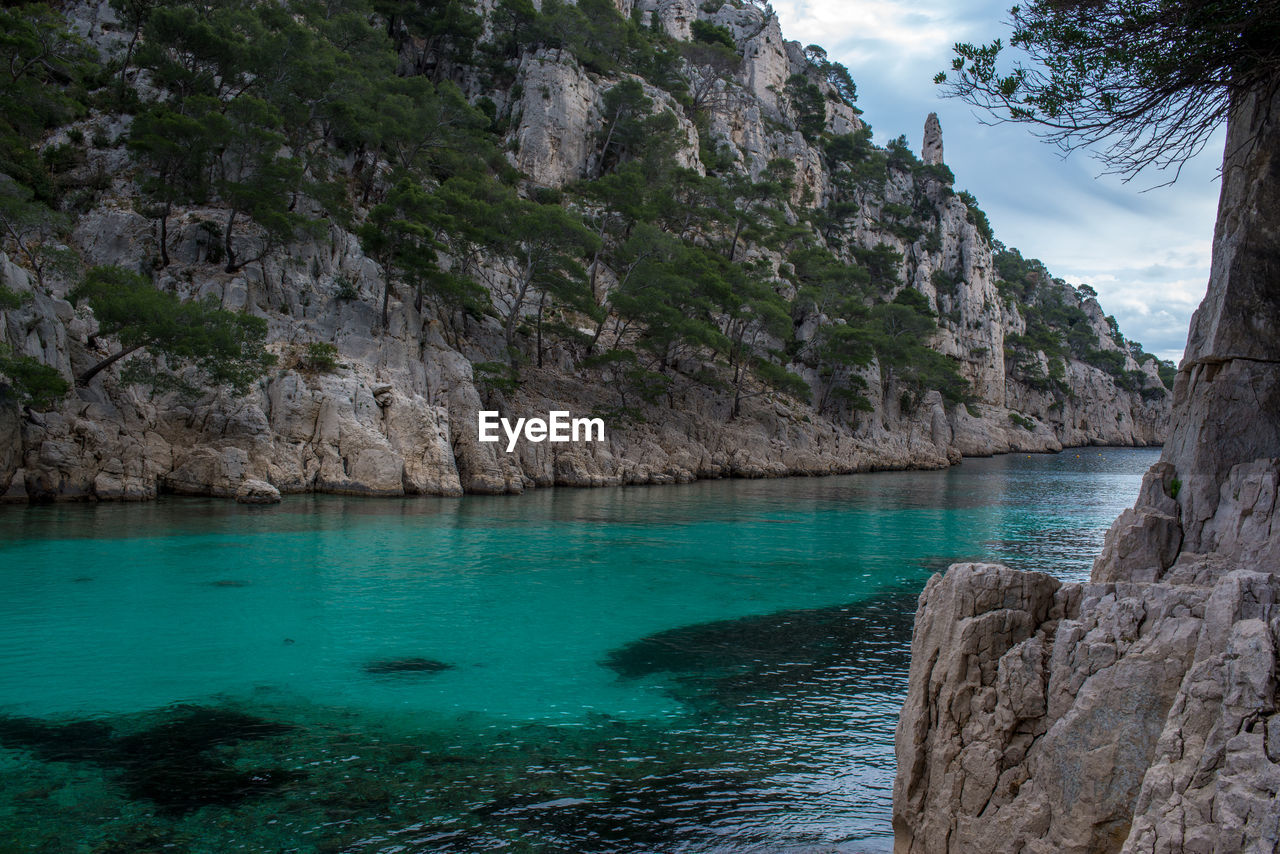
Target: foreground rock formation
[{"x": 1136, "y": 712}]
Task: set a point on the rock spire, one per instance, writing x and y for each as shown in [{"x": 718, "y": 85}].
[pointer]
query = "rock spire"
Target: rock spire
[{"x": 931, "y": 151}]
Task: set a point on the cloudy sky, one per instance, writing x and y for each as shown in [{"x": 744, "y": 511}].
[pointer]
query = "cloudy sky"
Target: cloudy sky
[{"x": 1146, "y": 253}]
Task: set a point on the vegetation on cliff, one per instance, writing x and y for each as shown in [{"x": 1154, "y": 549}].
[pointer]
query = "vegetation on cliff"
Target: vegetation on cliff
[
  {"x": 393, "y": 120},
  {"x": 1059, "y": 328}
]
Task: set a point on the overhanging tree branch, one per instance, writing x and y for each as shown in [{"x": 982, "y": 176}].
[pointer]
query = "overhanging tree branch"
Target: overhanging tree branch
[{"x": 1140, "y": 82}]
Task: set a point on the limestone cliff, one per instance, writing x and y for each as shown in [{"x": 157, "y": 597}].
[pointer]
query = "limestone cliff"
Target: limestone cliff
[
  {"x": 396, "y": 414},
  {"x": 1136, "y": 712}
]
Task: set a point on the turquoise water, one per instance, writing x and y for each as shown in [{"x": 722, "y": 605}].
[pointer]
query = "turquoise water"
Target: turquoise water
[{"x": 708, "y": 667}]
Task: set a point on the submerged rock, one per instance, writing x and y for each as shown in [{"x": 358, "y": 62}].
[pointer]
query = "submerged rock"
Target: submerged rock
[
  {"x": 732, "y": 644},
  {"x": 396, "y": 666},
  {"x": 76, "y": 741},
  {"x": 788, "y": 652},
  {"x": 179, "y": 786},
  {"x": 195, "y": 730},
  {"x": 174, "y": 764}
]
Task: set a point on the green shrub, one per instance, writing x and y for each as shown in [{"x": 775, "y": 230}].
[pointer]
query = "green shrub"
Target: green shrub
[
  {"x": 319, "y": 357},
  {"x": 61, "y": 158},
  {"x": 345, "y": 289},
  {"x": 1024, "y": 423},
  {"x": 937, "y": 171},
  {"x": 9, "y": 298},
  {"x": 705, "y": 31},
  {"x": 807, "y": 103},
  {"x": 976, "y": 216},
  {"x": 221, "y": 347},
  {"x": 945, "y": 283},
  {"x": 900, "y": 155},
  {"x": 30, "y": 381},
  {"x": 495, "y": 376}
]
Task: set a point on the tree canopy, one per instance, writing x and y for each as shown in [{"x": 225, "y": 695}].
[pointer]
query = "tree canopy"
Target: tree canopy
[
  {"x": 223, "y": 347},
  {"x": 30, "y": 381},
  {"x": 1142, "y": 82}
]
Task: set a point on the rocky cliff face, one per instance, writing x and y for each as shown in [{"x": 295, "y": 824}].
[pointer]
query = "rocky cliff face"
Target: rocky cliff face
[
  {"x": 397, "y": 415},
  {"x": 1136, "y": 712}
]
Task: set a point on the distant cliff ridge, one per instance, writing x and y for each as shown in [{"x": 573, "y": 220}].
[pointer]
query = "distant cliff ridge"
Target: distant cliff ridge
[{"x": 661, "y": 214}]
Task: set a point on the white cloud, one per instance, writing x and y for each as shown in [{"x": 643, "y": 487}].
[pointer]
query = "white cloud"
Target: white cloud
[
  {"x": 868, "y": 30},
  {"x": 1146, "y": 253}
]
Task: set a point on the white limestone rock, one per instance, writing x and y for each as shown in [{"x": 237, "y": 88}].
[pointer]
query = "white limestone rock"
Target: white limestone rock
[
  {"x": 556, "y": 126},
  {"x": 1213, "y": 782},
  {"x": 397, "y": 416},
  {"x": 674, "y": 16},
  {"x": 257, "y": 492},
  {"x": 1031, "y": 694}
]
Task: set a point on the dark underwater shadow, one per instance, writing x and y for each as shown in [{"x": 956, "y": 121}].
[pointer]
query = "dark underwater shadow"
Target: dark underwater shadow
[
  {"x": 863, "y": 645},
  {"x": 774, "y": 690},
  {"x": 176, "y": 764}
]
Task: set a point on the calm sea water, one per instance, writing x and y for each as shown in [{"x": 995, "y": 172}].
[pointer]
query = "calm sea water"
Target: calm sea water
[{"x": 711, "y": 667}]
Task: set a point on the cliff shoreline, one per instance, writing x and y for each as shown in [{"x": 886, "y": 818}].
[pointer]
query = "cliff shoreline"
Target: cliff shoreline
[
  {"x": 853, "y": 238},
  {"x": 258, "y": 496}
]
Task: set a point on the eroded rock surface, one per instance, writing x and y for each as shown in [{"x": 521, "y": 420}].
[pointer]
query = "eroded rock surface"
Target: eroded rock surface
[{"x": 1135, "y": 712}]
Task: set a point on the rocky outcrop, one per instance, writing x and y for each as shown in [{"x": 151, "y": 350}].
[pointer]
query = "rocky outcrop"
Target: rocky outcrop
[
  {"x": 931, "y": 149},
  {"x": 556, "y": 140},
  {"x": 675, "y": 16},
  {"x": 257, "y": 492},
  {"x": 1216, "y": 770},
  {"x": 1049, "y": 699},
  {"x": 1228, "y": 387},
  {"x": 1136, "y": 712},
  {"x": 1074, "y": 717},
  {"x": 554, "y": 135}
]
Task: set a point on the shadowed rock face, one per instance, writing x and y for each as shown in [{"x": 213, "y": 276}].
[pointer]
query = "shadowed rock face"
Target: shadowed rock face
[
  {"x": 1227, "y": 394},
  {"x": 1211, "y": 499},
  {"x": 1136, "y": 712},
  {"x": 173, "y": 764}
]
